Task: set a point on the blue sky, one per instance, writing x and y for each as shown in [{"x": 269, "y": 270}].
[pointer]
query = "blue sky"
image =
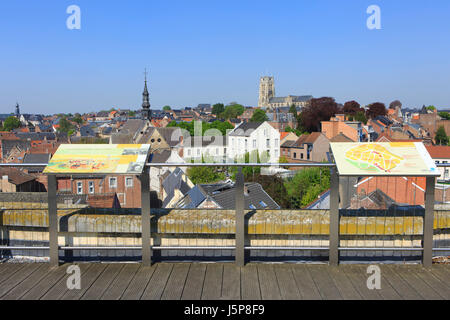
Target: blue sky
[{"x": 215, "y": 51}]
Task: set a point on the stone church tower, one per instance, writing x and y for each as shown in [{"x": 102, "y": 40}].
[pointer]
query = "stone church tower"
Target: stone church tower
[
  {"x": 266, "y": 91},
  {"x": 146, "y": 112}
]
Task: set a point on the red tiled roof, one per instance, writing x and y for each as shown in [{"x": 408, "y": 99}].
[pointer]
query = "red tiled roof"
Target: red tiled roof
[{"x": 439, "y": 152}]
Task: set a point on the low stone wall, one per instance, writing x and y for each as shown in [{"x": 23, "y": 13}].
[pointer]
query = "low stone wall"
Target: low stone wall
[{"x": 81, "y": 226}]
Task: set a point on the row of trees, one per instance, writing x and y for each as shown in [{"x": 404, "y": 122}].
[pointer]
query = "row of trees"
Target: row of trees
[
  {"x": 231, "y": 111},
  {"x": 222, "y": 126},
  {"x": 322, "y": 109}
]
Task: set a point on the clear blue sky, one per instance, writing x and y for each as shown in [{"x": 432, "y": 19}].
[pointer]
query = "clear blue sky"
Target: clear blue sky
[{"x": 215, "y": 51}]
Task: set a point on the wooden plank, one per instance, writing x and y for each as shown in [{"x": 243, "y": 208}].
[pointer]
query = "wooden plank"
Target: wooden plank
[
  {"x": 87, "y": 279},
  {"x": 358, "y": 276},
  {"x": 10, "y": 269},
  {"x": 193, "y": 287},
  {"x": 139, "y": 282},
  {"x": 305, "y": 283},
  {"x": 98, "y": 288},
  {"x": 324, "y": 283},
  {"x": 343, "y": 283},
  {"x": 440, "y": 271},
  {"x": 58, "y": 290},
  {"x": 121, "y": 282},
  {"x": 212, "y": 286},
  {"x": 176, "y": 282},
  {"x": 268, "y": 282},
  {"x": 231, "y": 284},
  {"x": 250, "y": 283},
  {"x": 401, "y": 287},
  {"x": 408, "y": 274},
  {"x": 26, "y": 285},
  {"x": 286, "y": 283},
  {"x": 18, "y": 277},
  {"x": 441, "y": 287},
  {"x": 157, "y": 283},
  {"x": 53, "y": 277}
]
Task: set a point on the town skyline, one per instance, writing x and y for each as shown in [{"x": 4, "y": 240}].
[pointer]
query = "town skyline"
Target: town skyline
[{"x": 210, "y": 52}]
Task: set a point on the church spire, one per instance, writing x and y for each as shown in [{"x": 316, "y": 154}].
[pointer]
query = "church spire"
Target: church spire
[{"x": 146, "y": 113}]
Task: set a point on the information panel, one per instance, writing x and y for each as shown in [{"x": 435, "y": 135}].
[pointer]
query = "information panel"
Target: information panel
[
  {"x": 383, "y": 158},
  {"x": 99, "y": 158}
]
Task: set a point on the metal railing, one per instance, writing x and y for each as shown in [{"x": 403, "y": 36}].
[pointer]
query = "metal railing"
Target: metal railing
[{"x": 242, "y": 243}]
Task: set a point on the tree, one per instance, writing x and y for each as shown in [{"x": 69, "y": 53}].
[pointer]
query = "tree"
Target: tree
[
  {"x": 205, "y": 174},
  {"x": 321, "y": 109},
  {"x": 431, "y": 108},
  {"x": 232, "y": 111},
  {"x": 293, "y": 110},
  {"x": 167, "y": 108},
  {"x": 376, "y": 109},
  {"x": 441, "y": 136},
  {"x": 444, "y": 115},
  {"x": 131, "y": 114},
  {"x": 11, "y": 123},
  {"x": 361, "y": 117},
  {"x": 394, "y": 104},
  {"x": 351, "y": 107},
  {"x": 65, "y": 126},
  {"x": 78, "y": 120},
  {"x": 259, "y": 116},
  {"x": 218, "y": 108}
]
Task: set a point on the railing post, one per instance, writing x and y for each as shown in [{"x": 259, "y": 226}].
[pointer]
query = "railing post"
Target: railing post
[
  {"x": 240, "y": 219},
  {"x": 145, "y": 217},
  {"x": 428, "y": 223},
  {"x": 334, "y": 217},
  {"x": 53, "y": 221}
]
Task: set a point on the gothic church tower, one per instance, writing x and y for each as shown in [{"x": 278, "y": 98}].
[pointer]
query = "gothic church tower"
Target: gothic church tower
[{"x": 266, "y": 91}]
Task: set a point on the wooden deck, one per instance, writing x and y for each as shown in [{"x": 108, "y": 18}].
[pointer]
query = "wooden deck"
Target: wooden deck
[{"x": 214, "y": 281}]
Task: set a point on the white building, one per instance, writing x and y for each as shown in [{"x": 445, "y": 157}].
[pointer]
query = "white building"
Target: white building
[
  {"x": 212, "y": 149},
  {"x": 254, "y": 136}
]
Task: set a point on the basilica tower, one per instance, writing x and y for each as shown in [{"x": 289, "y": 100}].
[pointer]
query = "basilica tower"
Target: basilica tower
[
  {"x": 146, "y": 112},
  {"x": 266, "y": 91}
]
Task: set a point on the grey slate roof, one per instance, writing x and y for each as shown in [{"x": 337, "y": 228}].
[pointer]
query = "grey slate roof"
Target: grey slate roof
[
  {"x": 174, "y": 181},
  {"x": 294, "y": 98},
  {"x": 224, "y": 195},
  {"x": 8, "y": 145},
  {"x": 245, "y": 129}
]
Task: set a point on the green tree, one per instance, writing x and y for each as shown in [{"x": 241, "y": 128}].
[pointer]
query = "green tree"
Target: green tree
[
  {"x": 432, "y": 108},
  {"x": 232, "y": 111},
  {"x": 65, "y": 126},
  {"x": 441, "y": 136},
  {"x": 11, "y": 123},
  {"x": 259, "y": 116},
  {"x": 218, "y": 108},
  {"x": 205, "y": 174},
  {"x": 167, "y": 108},
  {"x": 444, "y": 115},
  {"x": 78, "y": 120},
  {"x": 361, "y": 117},
  {"x": 293, "y": 110}
]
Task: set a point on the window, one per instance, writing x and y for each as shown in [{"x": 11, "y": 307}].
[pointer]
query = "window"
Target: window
[
  {"x": 276, "y": 153},
  {"x": 189, "y": 152},
  {"x": 246, "y": 146},
  {"x": 268, "y": 143},
  {"x": 198, "y": 152},
  {"x": 113, "y": 182},
  {"x": 79, "y": 187},
  {"x": 301, "y": 156},
  {"x": 217, "y": 151},
  {"x": 276, "y": 143},
  {"x": 295, "y": 155},
  {"x": 252, "y": 207},
  {"x": 129, "y": 182},
  {"x": 254, "y": 143},
  {"x": 263, "y": 204},
  {"x": 265, "y": 132},
  {"x": 91, "y": 187}
]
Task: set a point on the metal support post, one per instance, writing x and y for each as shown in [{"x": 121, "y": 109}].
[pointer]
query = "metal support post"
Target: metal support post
[
  {"x": 145, "y": 216},
  {"x": 334, "y": 218},
  {"x": 53, "y": 221},
  {"x": 428, "y": 223},
  {"x": 240, "y": 219}
]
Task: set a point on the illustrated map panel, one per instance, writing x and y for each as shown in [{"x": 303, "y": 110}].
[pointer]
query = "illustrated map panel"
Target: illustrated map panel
[
  {"x": 98, "y": 158},
  {"x": 383, "y": 158}
]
